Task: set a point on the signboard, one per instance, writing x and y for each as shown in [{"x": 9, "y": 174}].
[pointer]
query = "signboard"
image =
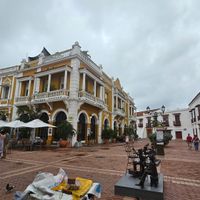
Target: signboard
[
  {"x": 49, "y": 131},
  {"x": 159, "y": 136}
]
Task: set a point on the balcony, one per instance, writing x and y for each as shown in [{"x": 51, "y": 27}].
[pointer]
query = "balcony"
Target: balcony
[
  {"x": 52, "y": 96},
  {"x": 91, "y": 99},
  {"x": 119, "y": 111},
  {"x": 177, "y": 123},
  {"x": 140, "y": 125},
  {"x": 23, "y": 100},
  {"x": 5, "y": 103}
]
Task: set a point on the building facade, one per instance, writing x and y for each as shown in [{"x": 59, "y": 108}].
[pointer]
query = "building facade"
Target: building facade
[
  {"x": 194, "y": 109},
  {"x": 177, "y": 122},
  {"x": 67, "y": 85}
]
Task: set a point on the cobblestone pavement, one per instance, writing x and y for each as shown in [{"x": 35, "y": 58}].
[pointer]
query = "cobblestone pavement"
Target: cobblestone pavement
[{"x": 104, "y": 164}]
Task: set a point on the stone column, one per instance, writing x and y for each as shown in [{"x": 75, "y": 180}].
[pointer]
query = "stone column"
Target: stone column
[
  {"x": 101, "y": 93},
  {"x": 100, "y": 128},
  {"x": 73, "y": 100},
  {"x": 29, "y": 87},
  {"x": 14, "y": 114},
  {"x": 36, "y": 86},
  {"x": 65, "y": 80},
  {"x": 50, "y": 130},
  {"x": 95, "y": 88},
  {"x": 83, "y": 84},
  {"x": 19, "y": 90},
  {"x": 49, "y": 83}
]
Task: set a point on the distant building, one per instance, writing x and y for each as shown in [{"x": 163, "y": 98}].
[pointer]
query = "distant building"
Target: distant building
[
  {"x": 194, "y": 108},
  {"x": 176, "y": 122},
  {"x": 67, "y": 85}
]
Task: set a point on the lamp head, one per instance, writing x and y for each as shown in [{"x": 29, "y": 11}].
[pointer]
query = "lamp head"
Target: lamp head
[
  {"x": 163, "y": 108},
  {"x": 148, "y": 109}
]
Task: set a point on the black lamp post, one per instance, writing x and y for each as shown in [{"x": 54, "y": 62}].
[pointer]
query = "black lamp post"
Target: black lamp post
[
  {"x": 163, "y": 109},
  {"x": 148, "y": 109}
]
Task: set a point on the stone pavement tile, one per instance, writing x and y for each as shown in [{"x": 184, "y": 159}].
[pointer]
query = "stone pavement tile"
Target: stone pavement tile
[
  {"x": 180, "y": 192},
  {"x": 105, "y": 164},
  {"x": 5, "y": 165},
  {"x": 182, "y": 169}
]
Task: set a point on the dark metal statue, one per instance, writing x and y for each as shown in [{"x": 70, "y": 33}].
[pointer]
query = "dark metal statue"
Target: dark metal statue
[
  {"x": 145, "y": 163},
  {"x": 150, "y": 169}
]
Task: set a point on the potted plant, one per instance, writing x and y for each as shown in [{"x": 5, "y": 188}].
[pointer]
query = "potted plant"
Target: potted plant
[
  {"x": 106, "y": 135},
  {"x": 67, "y": 132},
  {"x": 114, "y": 136}
]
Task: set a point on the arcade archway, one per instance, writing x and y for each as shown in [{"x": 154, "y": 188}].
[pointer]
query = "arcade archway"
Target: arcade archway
[
  {"x": 60, "y": 117},
  {"x": 43, "y": 132},
  {"x": 82, "y": 127}
]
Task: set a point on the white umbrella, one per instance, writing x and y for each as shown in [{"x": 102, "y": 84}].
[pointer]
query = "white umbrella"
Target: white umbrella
[
  {"x": 37, "y": 123},
  {"x": 15, "y": 124},
  {"x": 3, "y": 123}
]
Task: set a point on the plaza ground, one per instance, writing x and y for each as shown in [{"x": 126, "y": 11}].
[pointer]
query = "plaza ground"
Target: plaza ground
[{"x": 104, "y": 164}]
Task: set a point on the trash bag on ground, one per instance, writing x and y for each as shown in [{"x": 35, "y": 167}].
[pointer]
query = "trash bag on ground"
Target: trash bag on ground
[{"x": 46, "y": 186}]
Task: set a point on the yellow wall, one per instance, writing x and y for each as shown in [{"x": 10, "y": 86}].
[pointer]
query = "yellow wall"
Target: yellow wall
[
  {"x": 90, "y": 109},
  {"x": 43, "y": 83},
  {"x": 89, "y": 85},
  {"x": 29, "y": 72},
  {"x": 55, "y": 65},
  {"x": 56, "y": 80}
]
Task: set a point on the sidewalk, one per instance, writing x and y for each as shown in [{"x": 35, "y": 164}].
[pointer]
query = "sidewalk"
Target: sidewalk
[{"x": 104, "y": 164}]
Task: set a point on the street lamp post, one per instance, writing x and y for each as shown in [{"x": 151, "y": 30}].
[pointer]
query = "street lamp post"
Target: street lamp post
[{"x": 159, "y": 137}]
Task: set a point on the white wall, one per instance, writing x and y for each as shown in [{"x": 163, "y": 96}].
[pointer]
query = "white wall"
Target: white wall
[{"x": 185, "y": 128}]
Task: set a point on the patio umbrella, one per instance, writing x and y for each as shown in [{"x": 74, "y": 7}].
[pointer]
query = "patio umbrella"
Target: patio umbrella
[
  {"x": 3, "y": 123},
  {"x": 15, "y": 124},
  {"x": 37, "y": 123}
]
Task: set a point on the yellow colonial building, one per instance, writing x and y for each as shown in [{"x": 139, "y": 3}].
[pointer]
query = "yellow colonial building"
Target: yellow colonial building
[{"x": 67, "y": 85}]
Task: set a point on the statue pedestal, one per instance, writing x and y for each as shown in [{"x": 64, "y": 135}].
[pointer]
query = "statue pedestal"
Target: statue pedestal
[
  {"x": 126, "y": 186},
  {"x": 160, "y": 148}
]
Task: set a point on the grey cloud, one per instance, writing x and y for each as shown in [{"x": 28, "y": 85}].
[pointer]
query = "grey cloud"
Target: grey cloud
[{"x": 152, "y": 46}]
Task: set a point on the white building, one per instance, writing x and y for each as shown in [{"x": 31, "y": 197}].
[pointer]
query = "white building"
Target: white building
[
  {"x": 177, "y": 122},
  {"x": 194, "y": 108}
]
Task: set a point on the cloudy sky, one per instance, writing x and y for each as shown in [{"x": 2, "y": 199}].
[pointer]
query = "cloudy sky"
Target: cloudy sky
[{"x": 152, "y": 46}]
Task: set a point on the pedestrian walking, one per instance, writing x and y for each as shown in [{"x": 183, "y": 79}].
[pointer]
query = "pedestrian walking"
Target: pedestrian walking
[
  {"x": 2, "y": 137},
  {"x": 189, "y": 141},
  {"x": 6, "y": 143},
  {"x": 196, "y": 142}
]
